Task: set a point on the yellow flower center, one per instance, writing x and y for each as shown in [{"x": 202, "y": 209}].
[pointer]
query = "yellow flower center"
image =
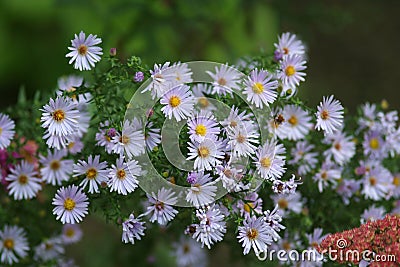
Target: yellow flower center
[
  {"x": 107, "y": 138},
  {"x": 252, "y": 233},
  {"x": 69, "y": 204},
  {"x": 48, "y": 246},
  {"x": 372, "y": 181},
  {"x": 374, "y": 143},
  {"x": 222, "y": 81},
  {"x": 201, "y": 130},
  {"x": 82, "y": 49},
  {"x": 121, "y": 174},
  {"x": 396, "y": 181},
  {"x": 174, "y": 101},
  {"x": 338, "y": 146},
  {"x": 203, "y": 152},
  {"x": 314, "y": 244},
  {"x": 290, "y": 71},
  {"x": 23, "y": 179},
  {"x": 324, "y": 114},
  {"x": 70, "y": 232},
  {"x": 285, "y": 50},
  {"x": 265, "y": 162},
  {"x": 124, "y": 139},
  {"x": 283, "y": 203},
  {"x": 293, "y": 120},
  {"x": 91, "y": 173},
  {"x": 324, "y": 175},
  {"x": 1, "y": 130},
  {"x": 71, "y": 145},
  {"x": 233, "y": 123},
  {"x": 203, "y": 102},
  {"x": 248, "y": 207},
  {"x": 241, "y": 138},
  {"x": 8, "y": 243},
  {"x": 286, "y": 245},
  {"x": 159, "y": 205},
  {"x": 186, "y": 249},
  {"x": 197, "y": 190},
  {"x": 55, "y": 165},
  {"x": 59, "y": 115},
  {"x": 258, "y": 88}
]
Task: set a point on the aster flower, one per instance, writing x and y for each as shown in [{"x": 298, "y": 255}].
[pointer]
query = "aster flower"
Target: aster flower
[
  {"x": 225, "y": 79},
  {"x": 13, "y": 244},
  {"x": 242, "y": 140},
  {"x": 84, "y": 51},
  {"x": 211, "y": 228},
  {"x": 74, "y": 145},
  {"x": 328, "y": 174},
  {"x": 56, "y": 141},
  {"x": 131, "y": 141},
  {"x": 368, "y": 118},
  {"x": 206, "y": 154},
  {"x": 374, "y": 145},
  {"x": 230, "y": 177},
  {"x": 55, "y": 170},
  {"x": 6, "y": 130},
  {"x": 270, "y": 160},
  {"x": 60, "y": 117},
  {"x": 251, "y": 205},
  {"x": 286, "y": 187},
  {"x": 288, "y": 44},
  {"x": 254, "y": 234},
  {"x": 71, "y": 233},
  {"x": 259, "y": 88},
  {"x": 69, "y": 83},
  {"x": 297, "y": 123},
  {"x": 202, "y": 126},
  {"x": 189, "y": 253},
  {"x": 23, "y": 181},
  {"x": 373, "y": 213},
  {"x": 152, "y": 136},
  {"x": 376, "y": 183},
  {"x": 94, "y": 171},
  {"x": 71, "y": 204},
  {"x": 160, "y": 208},
  {"x": 291, "y": 72},
  {"x": 342, "y": 147},
  {"x": 50, "y": 249},
  {"x": 288, "y": 202},
  {"x": 202, "y": 190},
  {"x": 162, "y": 79},
  {"x": 133, "y": 228},
  {"x": 202, "y": 102},
  {"x": 273, "y": 220},
  {"x": 347, "y": 188},
  {"x": 329, "y": 115},
  {"x": 104, "y": 137},
  {"x": 236, "y": 119},
  {"x": 178, "y": 103},
  {"x": 122, "y": 176},
  {"x": 182, "y": 73}
]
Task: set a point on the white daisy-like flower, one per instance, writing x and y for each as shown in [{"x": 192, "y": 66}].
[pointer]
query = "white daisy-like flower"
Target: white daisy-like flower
[
  {"x": 369, "y": 117},
  {"x": 373, "y": 213},
  {"x": 328, "y": 174},
  {"x": 329, "y": 115},
  {"x": 206, "y": 154},
  {"x": 60, "y": 117},
  {"x": 104, "y": 137},
  {"x": 225, "y": 79},
  {"x": 288, "y": 44},
  {"x": 236, "y": 119},
  {"x": 297, "y": 123},
  {"x": 133, "y": 228},
  {"x": 202, "y": 126},
  {"x": 242, "y": 140},
  {"x": 71, "y": 233},
  {"x": 122, "y": 176},
  {"x": 6, "y": 130},
  {"x": 230, "y": 177},
  {"x": 288, "y": 202},
  {"x": 259, "y": 88},
  {"x": 54, "y": 169},
  {"x": 343, "y": 148},
  {"x": 303, "y": 156},
  {"x": 23, "y": 181},
  {"x": 202, "y": 190},
  {"x": 69, "y": 83},
  {"x": 374, "y": 145},
  {"x": 131, "y": 141},
  {"x": 250, "y": 205},
  {"x": 178, "y": 103},
  {"x": 254, "y": 234},
  {"x": 160, "y": 208},
  {"x": 270, "y": 160},
  {"x": 71, "y": 204},
  {"x": 291, "y": 72},
  {"x": 211, "y": 228},
  {"x": 56, "y": 141},
  {"x": 182, "y": 73},
  {"x": 202, "y": 102},
  {"x": 13, "y": 244},
  {"x": 376, "y": 183},
  {"x": 273, "y": 219},
  {"x": 95, "y": 173},
  {"x": 74, "y": 145},
  {"x": 189, "y": 253},
  {"x": 162, "y": 80},
  {"x": 84, "y": 51},
  {"x": 50, "y": 249}
]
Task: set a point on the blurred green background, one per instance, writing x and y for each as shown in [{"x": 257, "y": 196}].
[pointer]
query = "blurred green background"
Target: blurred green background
[{"x": 352, "y": 48}]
